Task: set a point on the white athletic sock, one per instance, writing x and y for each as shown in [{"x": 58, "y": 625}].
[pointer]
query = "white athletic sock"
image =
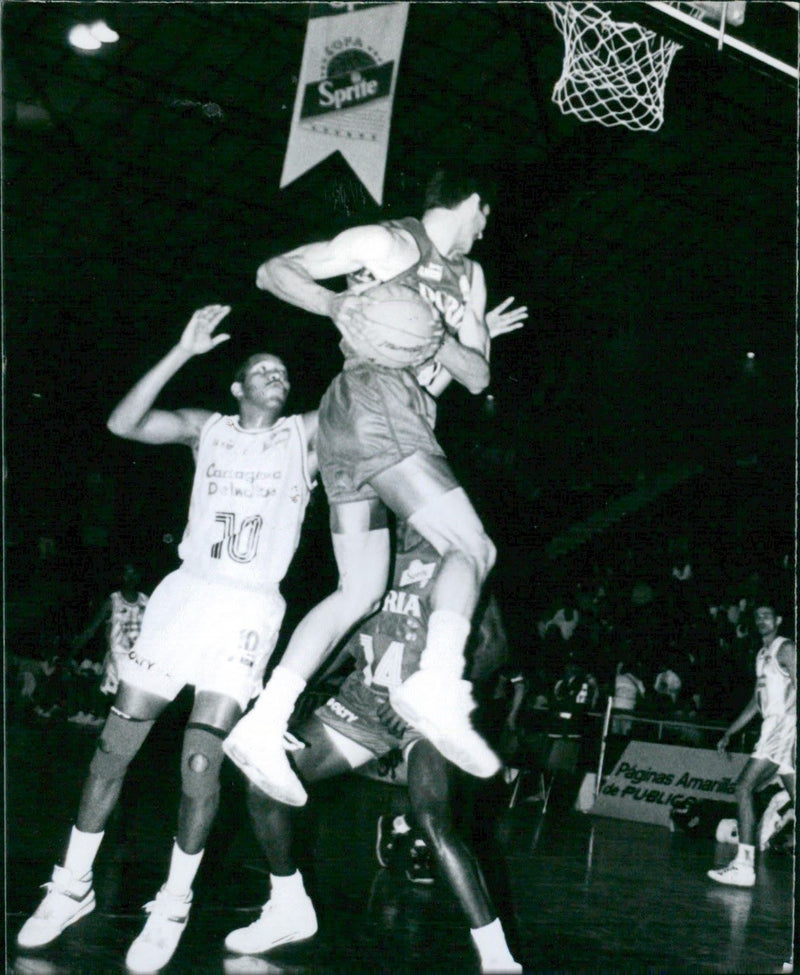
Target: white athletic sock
[
  {"x": 183, "y": 869},
  {"x": 746, "y": 854},
  {"x": 490, "y": 940},
  {"x": 287, "y": 888},
  {"x": 280, "y": 694},
  {"x": 447, "y": 637},
  {"x": 81, "y": 851}
]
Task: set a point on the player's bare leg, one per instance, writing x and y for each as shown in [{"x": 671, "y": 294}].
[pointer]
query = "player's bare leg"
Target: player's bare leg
[
  {"x": 70, "y": 895},
  {"x": 289, "y": 914},
  {"x": 740, "y": 872},
  {"x": 361, "y": 547},
  {"x": 429, "y": 793},
  {"x": 437, "y": 700},
  {"x": 212, "y": 717}
]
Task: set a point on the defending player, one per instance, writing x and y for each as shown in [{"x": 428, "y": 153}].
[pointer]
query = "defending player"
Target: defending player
[
  {"x": 353, "y": 727},
  {"x": 775, "y": 699},
  {"x": 213, "y": 623},
  {"x": 377, "y": 449}
]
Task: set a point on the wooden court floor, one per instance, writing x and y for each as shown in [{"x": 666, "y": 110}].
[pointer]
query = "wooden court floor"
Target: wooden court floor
[{"x": 577, "y": 893}]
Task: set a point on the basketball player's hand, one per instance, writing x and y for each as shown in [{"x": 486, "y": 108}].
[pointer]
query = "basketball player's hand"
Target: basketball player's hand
[
  {"x": 391, "y": 720},
  {"x": 198, "y": 335},
  {"x": 500, "y": 322},
  {"x": 722, "y": 744},
  {"x": 347, "y": 312}
]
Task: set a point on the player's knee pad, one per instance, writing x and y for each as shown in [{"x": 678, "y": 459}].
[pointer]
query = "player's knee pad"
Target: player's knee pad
[
  {"x": 119, "y": 742},
  {"x": 201, "y": 760}
]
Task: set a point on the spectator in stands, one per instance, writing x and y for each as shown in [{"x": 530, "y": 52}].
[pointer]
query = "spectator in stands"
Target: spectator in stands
[
  {"x": 84, "y": 702},
  {"x": 671, "y": 701},
  {"x": 629, "y": 691},
  {"x": 643, "y": 628},
  {"x": 576, "y": 691},
  {"x": 682, "y": 597}
]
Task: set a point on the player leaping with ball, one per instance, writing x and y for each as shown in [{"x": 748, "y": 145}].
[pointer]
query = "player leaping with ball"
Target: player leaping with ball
[{"x": 377, "y": 450}]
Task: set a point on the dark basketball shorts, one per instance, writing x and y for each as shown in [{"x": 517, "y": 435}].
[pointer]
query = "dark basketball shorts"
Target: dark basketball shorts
[
  {"x": 370, "y": 419},
  {"x": 353, "y": 712}
]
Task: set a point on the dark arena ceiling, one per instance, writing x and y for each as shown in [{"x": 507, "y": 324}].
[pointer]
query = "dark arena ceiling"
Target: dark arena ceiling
[{"x": 142, "y": 181}]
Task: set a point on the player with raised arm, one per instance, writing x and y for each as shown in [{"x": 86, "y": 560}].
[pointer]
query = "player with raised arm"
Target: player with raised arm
[
  {"x": 378, "y": 450},
  {"x": 212, "y": 623}
]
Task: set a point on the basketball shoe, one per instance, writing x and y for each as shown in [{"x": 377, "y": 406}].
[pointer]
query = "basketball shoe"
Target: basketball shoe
[
  {"x": 67, "y": 900},
  {"x": 737, "y": 874},
  {"x": 154, "y": 947},
  {"x": 282, "y": 921},
  {"x": 439, "y": 707},
  {"x": 256, "y": 747}
]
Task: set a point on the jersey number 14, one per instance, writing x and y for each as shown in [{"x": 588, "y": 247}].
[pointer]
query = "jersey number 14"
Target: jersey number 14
[{"x": 389, "y": 670}]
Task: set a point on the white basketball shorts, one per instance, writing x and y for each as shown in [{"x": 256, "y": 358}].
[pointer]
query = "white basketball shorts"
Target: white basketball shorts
[
  {"x": 776, "y": 743},
  {"x": 213, "y": 635}
]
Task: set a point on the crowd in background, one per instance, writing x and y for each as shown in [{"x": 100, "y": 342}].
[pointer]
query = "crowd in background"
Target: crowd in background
[{"x": 672, "y": 641}]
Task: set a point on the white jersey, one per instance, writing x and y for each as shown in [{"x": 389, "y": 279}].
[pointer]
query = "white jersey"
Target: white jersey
[
  {"x": 125, "y": 621},
  {"x": 249, "y": 498},
  {"x": 775, "y": 690}
]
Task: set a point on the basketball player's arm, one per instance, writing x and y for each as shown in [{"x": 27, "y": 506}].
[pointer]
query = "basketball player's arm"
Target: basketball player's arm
[
  {"x": 311, "y": 424},
  {"x": 787, "y": 658},
  {"x": 294, "y": 276},
  {"x": 100, "y": 617},
  {"x": 466, "y": 358},
  {"x": 133, "y": 418},
  {"x": 498, "y": 322},
  {"x": 747, "y": 715}
]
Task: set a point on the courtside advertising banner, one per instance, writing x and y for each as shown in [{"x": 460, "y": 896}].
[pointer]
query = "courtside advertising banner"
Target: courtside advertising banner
[
  {"x": 649, "y": 778},
  {"x": 346, "y": 89}
]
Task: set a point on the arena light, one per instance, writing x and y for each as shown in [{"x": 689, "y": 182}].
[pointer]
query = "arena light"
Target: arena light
[
  {"x": 91, "y": 37},
  {"x": 81, "y": 38},
  {"x": 103, "y": 33}
]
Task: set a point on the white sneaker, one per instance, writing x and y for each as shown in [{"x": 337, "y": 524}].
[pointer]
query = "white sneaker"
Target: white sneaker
[
  {"x": 67, "y": 901},
  {"x": 440, "y": 708},
  {"x": 256, "y": 747},
  {"x": 281, "y": 923},
  {"x": 737, "y": 874},
  {"x": 154, "y": 947}
]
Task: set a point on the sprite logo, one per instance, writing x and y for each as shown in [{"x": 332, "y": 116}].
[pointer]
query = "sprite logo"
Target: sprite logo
[{"x": 353, "y": 76}]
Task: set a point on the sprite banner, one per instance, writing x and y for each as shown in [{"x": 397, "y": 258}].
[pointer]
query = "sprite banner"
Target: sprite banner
[
  {"x": 346, "y": 89},
  {"x": 649, "y": 778}
]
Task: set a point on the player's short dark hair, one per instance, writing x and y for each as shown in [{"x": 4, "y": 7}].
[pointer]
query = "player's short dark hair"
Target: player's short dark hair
[
  {"x": 766, "y": 603},
  {"x": 241, "y": 373},
  {"x": 448, "y": 187}
]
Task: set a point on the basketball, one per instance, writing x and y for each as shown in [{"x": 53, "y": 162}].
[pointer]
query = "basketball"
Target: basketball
[{"x": 409, "y": 327}]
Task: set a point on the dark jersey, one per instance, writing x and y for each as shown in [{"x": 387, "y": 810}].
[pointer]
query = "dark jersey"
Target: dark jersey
[
  {"x": 444, "y": 283},
  {"x": 387, "y": 646}
]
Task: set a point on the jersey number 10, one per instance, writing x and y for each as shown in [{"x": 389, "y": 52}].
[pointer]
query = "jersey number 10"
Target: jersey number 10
[{"x": 240, "y": 545}]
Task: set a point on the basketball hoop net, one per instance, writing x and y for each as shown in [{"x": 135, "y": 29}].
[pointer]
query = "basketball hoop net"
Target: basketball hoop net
[{"x": 614, "y": 73}]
